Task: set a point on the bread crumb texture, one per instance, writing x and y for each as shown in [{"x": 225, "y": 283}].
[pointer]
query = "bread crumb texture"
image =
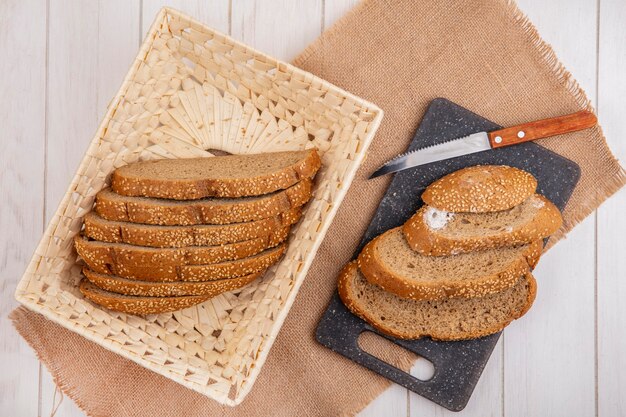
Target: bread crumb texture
[
  {"x": 447, "y": 319},
  {"x": 222, "y": 176},
  {"x": 389, "y": 262},
  {"x": 535, "y": 218}
]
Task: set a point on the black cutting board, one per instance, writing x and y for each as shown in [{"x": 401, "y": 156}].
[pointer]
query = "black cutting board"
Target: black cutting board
[{"x": 458, "y": 365}]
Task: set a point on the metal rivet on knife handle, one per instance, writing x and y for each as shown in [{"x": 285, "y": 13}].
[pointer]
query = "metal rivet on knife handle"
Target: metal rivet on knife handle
[{"x": 542, "y": 129}]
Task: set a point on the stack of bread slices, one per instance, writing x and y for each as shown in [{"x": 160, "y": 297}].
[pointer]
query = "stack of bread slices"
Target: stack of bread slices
[
  {"x": 170, "y": 234},
  {"x": 460, "y": 268}
]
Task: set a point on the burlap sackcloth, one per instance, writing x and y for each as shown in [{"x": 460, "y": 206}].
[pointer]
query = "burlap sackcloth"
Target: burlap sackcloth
[{"x": 400, "y": 54}]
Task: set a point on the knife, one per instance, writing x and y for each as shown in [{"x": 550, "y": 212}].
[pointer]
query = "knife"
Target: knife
[{"x": 484, "y": 141}]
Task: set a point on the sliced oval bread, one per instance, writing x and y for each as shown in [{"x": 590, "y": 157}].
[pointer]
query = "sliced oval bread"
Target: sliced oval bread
[
  {"x": 206, "y": 272},
  {"x": 434, "y": 232},
  {"x": 220, "y": 176},
  {"x": 93, "y": 251},
  {"x": 156, "y": 236},
  {"x": 138, "y": 305},
  {"x": 389, "y": 262},
  {"x": 447, "y": 319},
  {"x": 480, "y": 189},
  {"x": 115, "y": 207},
  {"x": 127, "y": 286}
]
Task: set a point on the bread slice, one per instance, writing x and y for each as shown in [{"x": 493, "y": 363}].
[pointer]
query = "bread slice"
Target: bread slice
[
  {"x": 447, "y": 319},
  {"x": 219, "y": 176},
  {"x": 191, "y": 273},
  {"x": 138, "y": 305},
  {"x": 93, "y": 251},
  {"x": 104, "y": 230},
  {"x": 480, "y": 189},
  {"x": 433, "y": 232},
  {"x": 389, "y": 262},
  {"x": 114, "y": 207},
  {"x": 127, "y": 286}
]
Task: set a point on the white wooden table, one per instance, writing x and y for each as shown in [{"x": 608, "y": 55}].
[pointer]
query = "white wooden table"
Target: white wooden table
[{"x": 62, "y": 60}]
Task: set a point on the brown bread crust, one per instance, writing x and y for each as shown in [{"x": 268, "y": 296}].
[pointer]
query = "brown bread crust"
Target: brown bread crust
[
  {"x": 190, "y": 273},
  {"x": 120, "y": 254},
  {"x": 111, "y": 206},
  {"x": 429, "y": 242},
  {"x": 156, "y": 236},
  {"x": 127, "y": 181},
  {"x": 138, "y": 305},
  {"x": 480, "y": 189},
  {"x": 127, "y": 286},
  {"x": 345, "y": 281},
  {"x": 377, "y": 272}
]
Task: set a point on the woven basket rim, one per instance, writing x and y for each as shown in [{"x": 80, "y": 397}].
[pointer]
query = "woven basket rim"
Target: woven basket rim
[{"x": 155, "y": 29}]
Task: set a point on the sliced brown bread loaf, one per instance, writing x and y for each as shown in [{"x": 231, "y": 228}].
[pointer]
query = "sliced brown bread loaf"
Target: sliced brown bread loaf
[
  {"x": 206, "y": 272},
  {"x": 138, "y": 305},
  {"x": 93, "y": 251},
  {"x": 220, "y": 176},
  {"x": 480, "y": 189},
  {"x": 156, "y": 236},
  {"x": 127, "y": 286},
  {"x": 437, "y": 233},
  {"x": 389, "y": 262},
  {"x": 114, "y": 207},
  {"x": 447, "y": 319}
]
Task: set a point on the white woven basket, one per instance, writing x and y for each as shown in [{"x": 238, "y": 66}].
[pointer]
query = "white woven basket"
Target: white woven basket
[{"x": 192, "y": 89}]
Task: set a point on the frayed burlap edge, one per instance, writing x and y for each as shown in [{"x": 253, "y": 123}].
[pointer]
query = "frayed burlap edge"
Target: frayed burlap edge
[
  {"x": 21, "y": 322},
  {"x": 553, "y": 65},
  {"x": 564, "y": 77},
  {"x": 555, "y": 68}
]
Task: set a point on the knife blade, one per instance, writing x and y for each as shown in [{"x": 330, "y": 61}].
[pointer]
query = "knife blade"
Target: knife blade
[{"x": 484, "y": 141}]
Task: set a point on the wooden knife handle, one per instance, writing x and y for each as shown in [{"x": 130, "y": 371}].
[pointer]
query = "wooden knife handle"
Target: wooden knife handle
[{"x": 542, "y": 129}]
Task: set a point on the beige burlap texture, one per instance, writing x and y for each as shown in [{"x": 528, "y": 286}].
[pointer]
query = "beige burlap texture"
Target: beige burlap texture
[{"x": 399, "y": 54}]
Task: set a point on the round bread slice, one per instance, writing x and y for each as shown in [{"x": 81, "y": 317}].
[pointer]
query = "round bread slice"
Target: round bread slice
[
  {"x": 389, "y": 262},
  {"x": 115, "y": 207},
  {"x": 122, "y": 254},
  {"x": 447, "y": 319},
  {"x": 433, "y": 232},
  {"x": 137, "y": 305},
  {"x": 219, "y": 176},
  {"x": 127, "y": 286},
  {"x": 480, "y": 189},
  {"x": 104, "y": 230},
  {"x": 190, "y": 273}
]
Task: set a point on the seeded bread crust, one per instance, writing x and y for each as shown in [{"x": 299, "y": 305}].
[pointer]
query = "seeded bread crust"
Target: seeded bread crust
[
  {"x": 122, "y": 254},
  {"x": 190, "y": 273},
  {"x": 114, "y": 207},
  {"x": 218, "y": 176},
  {"x": 430, "y": 242},
  {"x": 156, "y": 236},
  {"x": 454, "y": 330},
  {"x": 126, "y": 286},
  {"x": 480, "y": 189},
  {"x": 137, "y": 305},
  {"x": 377, "y": 270}
]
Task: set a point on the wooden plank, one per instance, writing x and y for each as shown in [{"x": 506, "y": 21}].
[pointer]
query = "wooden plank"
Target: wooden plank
[
  {"x": 392, "y": 402},
  {"x": 22, "y": 117},
  {"x": 486, "y": 401},
  {"x": 214, "y": 13},
  {"x": 72, "y": 99},
  {"x": 92, "y": 46},
  {"x": 548, "y": 354},
  {"x": 611, "y": 263},
  {"x": 280, "y": 28},
  {"x": 335, "y": 9},
  {"x": 546, "y": 348}
]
